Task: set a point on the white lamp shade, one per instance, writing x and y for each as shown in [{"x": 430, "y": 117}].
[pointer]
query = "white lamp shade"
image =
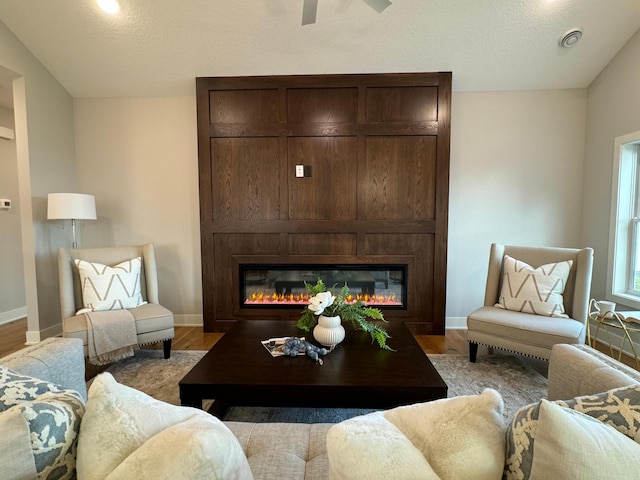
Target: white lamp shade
[{"x": 66, "y": 206}]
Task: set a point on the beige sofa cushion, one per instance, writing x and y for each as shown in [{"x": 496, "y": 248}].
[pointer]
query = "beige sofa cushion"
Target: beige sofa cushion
[
  {"x": 284, "y": 450},
  {"x": 149, "y": 318},
  {"x": 525, "y": 328}
]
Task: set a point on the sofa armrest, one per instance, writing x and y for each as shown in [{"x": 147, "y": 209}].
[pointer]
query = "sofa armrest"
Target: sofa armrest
[
  {"x": 576, "y": 370},
  {"x": 56, "y": 360}
]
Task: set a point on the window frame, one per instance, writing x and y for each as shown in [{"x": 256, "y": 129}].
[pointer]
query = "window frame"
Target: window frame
[{"x": 625, "y": 221}]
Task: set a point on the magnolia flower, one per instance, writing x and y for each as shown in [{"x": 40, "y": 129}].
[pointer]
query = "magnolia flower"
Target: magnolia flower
[{"x": 321, "y": 301}]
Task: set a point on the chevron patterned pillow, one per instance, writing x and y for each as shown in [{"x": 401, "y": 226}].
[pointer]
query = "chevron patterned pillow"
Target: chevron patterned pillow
[
  {"x": 534, "y": 290},
  {"x": 110, "y": 288}
]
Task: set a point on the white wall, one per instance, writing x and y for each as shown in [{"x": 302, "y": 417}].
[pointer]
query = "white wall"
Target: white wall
[
  {"x": 516, "y": 179},
  {"x": 12, "y": 300},
  {"x": 139, "y": 158},
  {"x": 613, "y": 109},
  {"x": 46, "y": 163}
]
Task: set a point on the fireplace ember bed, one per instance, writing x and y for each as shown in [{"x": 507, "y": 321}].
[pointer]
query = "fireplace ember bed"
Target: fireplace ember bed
[{"x": 283, "y": 286}]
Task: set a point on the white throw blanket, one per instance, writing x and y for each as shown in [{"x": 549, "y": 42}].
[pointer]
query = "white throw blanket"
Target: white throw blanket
[{"x": 111, "y": 336}]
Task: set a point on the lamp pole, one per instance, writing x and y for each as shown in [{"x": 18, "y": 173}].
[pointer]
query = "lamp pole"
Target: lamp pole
[{"x": 73, "y": 230}]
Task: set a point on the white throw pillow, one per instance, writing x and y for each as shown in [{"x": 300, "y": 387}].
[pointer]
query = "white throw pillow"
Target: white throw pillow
[
  {"x": 371, "y": 447},
  {"x": 534, "y": 290},
  {"x": 127, "y": 434},
  {"x": 460, "y": 437},
  {"x": 110, "y": 288},
  {"x": 571, "y": 445}
]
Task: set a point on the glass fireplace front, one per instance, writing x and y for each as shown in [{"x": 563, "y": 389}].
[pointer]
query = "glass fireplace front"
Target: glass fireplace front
[{"x": 281, "y": 286}]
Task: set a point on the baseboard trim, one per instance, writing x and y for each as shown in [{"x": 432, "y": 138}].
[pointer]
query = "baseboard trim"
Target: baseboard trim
[
  {"x": 455, "y": 323},
  {"x": 188, "y": 320},
  {"x": 12, "y": 315},
  {"x": 36, "y": 336},
  {"x": 33, "y": 337}
]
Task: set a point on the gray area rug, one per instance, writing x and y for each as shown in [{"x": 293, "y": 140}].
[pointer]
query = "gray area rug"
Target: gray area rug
[{"x": 518, "y": 383}]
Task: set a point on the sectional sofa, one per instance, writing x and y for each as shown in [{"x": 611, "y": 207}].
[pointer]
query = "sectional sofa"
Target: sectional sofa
[{"x": 47, "y": 426}]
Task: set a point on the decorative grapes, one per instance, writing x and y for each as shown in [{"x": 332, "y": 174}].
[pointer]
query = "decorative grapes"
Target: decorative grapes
[{"x": 294, "y": 345}]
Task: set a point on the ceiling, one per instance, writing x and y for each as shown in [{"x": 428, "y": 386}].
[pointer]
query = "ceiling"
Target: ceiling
[{"x": 158, "y": 47}]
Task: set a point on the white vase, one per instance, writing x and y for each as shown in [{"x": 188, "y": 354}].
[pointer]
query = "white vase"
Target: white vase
[{"x": 329, "y": 331}]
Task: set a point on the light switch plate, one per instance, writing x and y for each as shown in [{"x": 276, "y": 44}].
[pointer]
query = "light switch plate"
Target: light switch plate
[{"x": 299, "y": 171}]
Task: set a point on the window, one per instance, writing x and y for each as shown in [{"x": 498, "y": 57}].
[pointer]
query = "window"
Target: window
[{"x": 623, "y": 280}]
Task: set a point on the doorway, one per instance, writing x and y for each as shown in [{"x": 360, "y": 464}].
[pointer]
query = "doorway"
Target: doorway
[{"x": 12, "y": 281}]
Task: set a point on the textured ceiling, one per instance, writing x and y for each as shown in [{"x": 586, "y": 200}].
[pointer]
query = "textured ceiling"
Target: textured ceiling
[{"x": 158, "y": 47}]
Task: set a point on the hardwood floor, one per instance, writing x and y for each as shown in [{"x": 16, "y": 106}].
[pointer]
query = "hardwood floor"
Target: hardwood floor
[
  {"x": 12, "y": 336},
  {"x": 12, "y": 339}
]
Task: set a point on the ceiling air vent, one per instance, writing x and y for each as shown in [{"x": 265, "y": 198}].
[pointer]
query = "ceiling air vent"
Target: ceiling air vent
[{"x": 570, "y": 38}]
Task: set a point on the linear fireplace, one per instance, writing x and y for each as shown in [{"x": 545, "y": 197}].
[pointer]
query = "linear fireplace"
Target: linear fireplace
[{"x": 283, "y": 285}]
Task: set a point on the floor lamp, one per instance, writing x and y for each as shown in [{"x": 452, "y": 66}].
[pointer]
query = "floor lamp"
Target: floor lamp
[{"x": 71, "y": 206}]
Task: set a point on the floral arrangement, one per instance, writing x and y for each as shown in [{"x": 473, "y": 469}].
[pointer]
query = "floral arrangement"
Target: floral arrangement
[{"x": 324, "y": 302}]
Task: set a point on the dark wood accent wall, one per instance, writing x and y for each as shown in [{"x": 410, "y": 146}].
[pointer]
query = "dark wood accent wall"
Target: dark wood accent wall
[{"x": 377, "y": 147}]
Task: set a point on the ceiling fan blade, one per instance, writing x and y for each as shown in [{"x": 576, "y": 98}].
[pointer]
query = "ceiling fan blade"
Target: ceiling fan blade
[
  {"x": 378, "y": 5},
  {"x": 309, "y": 11}
]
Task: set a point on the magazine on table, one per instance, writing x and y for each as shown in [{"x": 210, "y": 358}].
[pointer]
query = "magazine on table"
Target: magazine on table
[
  {"x": 630, "y": 317},
  {"x": 275, "y": 346}
]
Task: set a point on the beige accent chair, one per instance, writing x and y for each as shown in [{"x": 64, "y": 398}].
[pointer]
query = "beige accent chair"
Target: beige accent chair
[
  {"x": 154, "y": 323},
  {"x": 527, "y": 333}
]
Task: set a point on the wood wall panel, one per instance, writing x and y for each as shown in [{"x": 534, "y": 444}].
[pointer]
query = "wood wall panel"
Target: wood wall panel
[
  {"x": 330, "y": 192},
  {"x": 227, "y": 246},
  {"x": 402, "y": 104},
  {"x": 246, "y": 178},
  {"x": 322, "y": 105},
  {"x": 399, "y": 178},
  {"x": 322, "y": 244},
  {"x": 243, "y": 106},
  {"x": 378, "y": 149},
  {"x": 421, "y": 278}
]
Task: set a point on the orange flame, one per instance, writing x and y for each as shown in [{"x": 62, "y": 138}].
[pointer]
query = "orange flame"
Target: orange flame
[{"x": 303, "y": 299}]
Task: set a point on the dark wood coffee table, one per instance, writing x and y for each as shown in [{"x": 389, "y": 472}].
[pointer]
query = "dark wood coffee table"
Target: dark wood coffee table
[{"x": 238, "y": 370}]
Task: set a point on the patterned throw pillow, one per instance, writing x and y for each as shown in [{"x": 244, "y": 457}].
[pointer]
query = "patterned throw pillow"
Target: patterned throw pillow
[
  {"x": 52, "y": 415},
  {"x": 618, "y": 408},
  {"x": 534, "y": 290},
  {"x": 110, "y": 288}
]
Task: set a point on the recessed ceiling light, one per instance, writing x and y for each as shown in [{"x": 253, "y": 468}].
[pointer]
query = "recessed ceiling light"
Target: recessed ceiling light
[
  {"x": 570, "y": 38},
  {"x": 109, "y": 6}
]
